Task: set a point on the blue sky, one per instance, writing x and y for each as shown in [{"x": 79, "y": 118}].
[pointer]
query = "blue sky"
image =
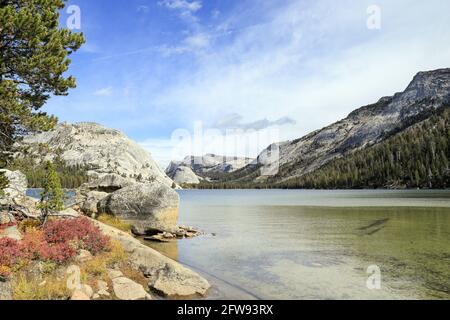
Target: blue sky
[{"x": 152, "y": 67}]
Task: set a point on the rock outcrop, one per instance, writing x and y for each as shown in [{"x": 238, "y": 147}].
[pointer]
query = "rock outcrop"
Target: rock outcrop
[
  {"x": 17, "y": 184},
  {"x": 148, "y": 207},
  {"x": 101, "y": 150},
  {"x": 166, "y": 276},
  {"x": 184, "y": 175},
  {"x": 124, "y": 181},
  {"x": 127, "y": 289}
]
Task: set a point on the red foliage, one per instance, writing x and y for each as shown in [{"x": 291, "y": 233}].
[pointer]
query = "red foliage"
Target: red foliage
[
  {"x": 60, "y": 252},
  {"x": 10, "y": 252},
  {"x": 33, "y": 244},
  {"x": 59, "y": 241},
  {"x": 80, "y": 233}
]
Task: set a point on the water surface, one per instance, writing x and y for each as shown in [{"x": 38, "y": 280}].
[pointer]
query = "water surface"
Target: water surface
[{"x": 280, "y": 244}]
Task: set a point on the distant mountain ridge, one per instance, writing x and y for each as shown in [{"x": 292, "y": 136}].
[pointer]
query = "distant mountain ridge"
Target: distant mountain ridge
[
  {"x": 364, "y": 127},
  {"x": 193, "y": 169}
]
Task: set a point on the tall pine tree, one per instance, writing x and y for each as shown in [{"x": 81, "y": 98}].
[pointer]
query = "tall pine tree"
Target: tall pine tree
[
  {"x": 52, "y": 197},
  {"x": 34, "y": 54}
]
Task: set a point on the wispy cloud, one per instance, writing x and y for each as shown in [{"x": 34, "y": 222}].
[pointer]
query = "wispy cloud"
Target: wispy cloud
[
  {"x": 194, "y": 44},
  {"x": 183, "y": 5},
  {"x": 104, "y": 92},
  {"x": 235, "y": 121}
]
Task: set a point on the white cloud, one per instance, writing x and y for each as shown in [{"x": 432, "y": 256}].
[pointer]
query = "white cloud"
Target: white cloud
[
  {"x": 194, "y": 44},
  {"x": 235, "y": 121},
  {"x": 104, "y": 92},
  {"x": 184, "y": 5},
  {"x": 314, "y": 62}
]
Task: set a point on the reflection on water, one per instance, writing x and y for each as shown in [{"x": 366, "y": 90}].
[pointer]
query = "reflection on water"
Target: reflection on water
[
  {"x": 319, "y": 244},
  {"x": 169, "y": 249}
]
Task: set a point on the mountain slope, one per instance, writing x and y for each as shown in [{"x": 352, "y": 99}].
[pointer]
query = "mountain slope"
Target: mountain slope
[
  {"x": 417, "y": 157},
  {"x": 364, "y": 127},
  {"x": 98, "y": 149}
]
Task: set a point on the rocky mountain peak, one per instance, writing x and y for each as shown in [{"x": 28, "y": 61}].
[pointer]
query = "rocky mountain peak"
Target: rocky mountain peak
[
  {"x": 434, "y": 85},
  {"x": 100, "y": 149}
]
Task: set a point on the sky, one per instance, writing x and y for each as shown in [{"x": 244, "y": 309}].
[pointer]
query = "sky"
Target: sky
[{"x": 230, "y": 77}]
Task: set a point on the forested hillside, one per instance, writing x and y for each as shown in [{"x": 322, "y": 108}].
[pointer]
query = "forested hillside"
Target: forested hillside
[
  {"x": 71, "y": 176},
  {"x": 415, "y": 158}
]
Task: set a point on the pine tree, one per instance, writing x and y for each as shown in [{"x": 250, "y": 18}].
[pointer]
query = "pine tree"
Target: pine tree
[
  {"x": 33, "y": 60},
  {"x": 52, "y": 196}
]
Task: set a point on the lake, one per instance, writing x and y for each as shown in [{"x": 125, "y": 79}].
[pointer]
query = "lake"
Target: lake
[{"x": 286, "y": 244}]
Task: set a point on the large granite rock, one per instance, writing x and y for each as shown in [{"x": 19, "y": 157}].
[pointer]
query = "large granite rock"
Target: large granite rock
[
  {"x": 100, "y": 149},
  {"x": 149, "y": 206},
  {"x": 127, "y": 289},
  {"x": 17, "y": 184},
  {"x": 166, "y": 276},
  {"x": 107, "y": 182},
  {"x": 90, "y": 205}
]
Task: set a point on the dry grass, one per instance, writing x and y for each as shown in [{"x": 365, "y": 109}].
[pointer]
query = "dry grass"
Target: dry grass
[
  {"x": 50, "y": 288},
  {"x": 115, "y": 222},
  {"x": 134, "y": 275},
  {"x": 28, "y": 224},
  {"x": 97, "y": 268}
]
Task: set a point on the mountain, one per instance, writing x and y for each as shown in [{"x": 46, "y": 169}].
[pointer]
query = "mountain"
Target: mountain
[
  {"x": 99, "y": 149},
  {"x": 363, "y": 128},
  {"x": 417, "y": 157},
  {"x": 193, "y": 169}
]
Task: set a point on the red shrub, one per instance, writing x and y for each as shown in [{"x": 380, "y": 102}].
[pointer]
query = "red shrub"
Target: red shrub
[
  {"x": 79, "y": 233},
  {"x": 33, "y": 244},
  {"x": 59, "y": 241},
  {"x": 59, "y": 252},
  {"x": 10, "y": 252}
]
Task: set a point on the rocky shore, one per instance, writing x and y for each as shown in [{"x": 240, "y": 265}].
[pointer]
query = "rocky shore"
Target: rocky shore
[{"x": 151, "y": 209}]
